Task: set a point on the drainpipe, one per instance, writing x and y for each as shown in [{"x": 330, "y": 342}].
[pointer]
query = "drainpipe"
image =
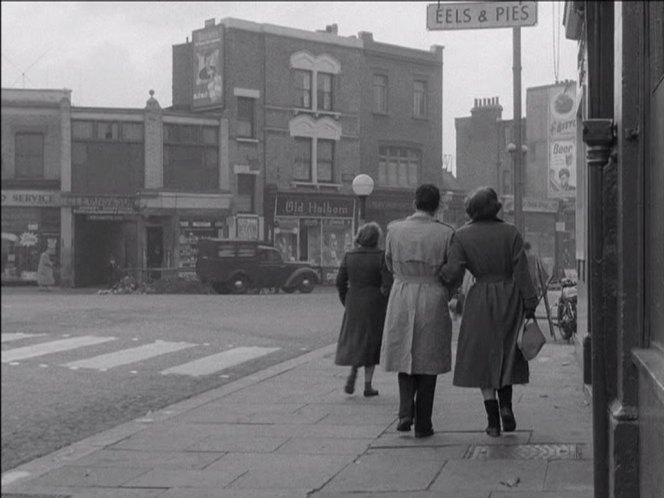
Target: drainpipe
[{"x": 598, "y": 135}]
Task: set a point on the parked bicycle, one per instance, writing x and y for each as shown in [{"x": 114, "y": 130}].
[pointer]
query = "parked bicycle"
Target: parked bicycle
[{"x": 567, "y": 308}]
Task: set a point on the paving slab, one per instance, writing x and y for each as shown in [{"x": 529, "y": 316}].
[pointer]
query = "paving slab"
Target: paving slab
[
  {"x": 234, "y": 493},
  {"x": 282, "y": 471},
  {"x": 569, "y": 475},
  {"x": 389, "y": 471},
  {"x": 403, "y": 494},
  {"x": 79, "y": 476},
  {"x": 325, "y": 446},
  {"x": 237, "y": 443},
  {"x": 149, "y": 459},
  {"x": 491, "y": 475},
  {"x": 170, "y": 478}
]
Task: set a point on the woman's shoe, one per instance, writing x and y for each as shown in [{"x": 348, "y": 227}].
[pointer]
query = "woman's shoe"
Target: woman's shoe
[
  {"x": 404, "y": 424},
  {"x": 493, "y": 416},
  {"x": 506, "y": 414},
  {"x": 350, "y": 383}
]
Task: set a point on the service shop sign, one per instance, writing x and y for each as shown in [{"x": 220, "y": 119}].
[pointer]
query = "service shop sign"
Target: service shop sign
[{"x": 467, "y": 15}]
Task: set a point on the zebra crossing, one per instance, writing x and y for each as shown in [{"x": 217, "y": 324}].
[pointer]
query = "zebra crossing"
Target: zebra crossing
[{"x": 199, "y": 367}]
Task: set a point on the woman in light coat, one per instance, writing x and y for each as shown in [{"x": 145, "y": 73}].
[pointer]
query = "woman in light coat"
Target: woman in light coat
[
  {"x": 487, "y": 355},
  {"x": 45, "y": 278},
  {"x": 363, "y": 283},
  {"x": 418, "y": 328}
]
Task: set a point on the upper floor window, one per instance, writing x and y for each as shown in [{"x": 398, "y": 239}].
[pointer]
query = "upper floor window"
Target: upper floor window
[
  {"x": 398, "y": 166},
  {"x": 107, "y": 131},
  {"x": 29, "y": 150},
  {"x": 190, "y": 134},
  {"x": 380, "y": 93},
  {"x": 325, "y": 160},
  {"x": 303, "y": 88},
  {"x": 419, "y": 98},
  {"x": 245, "y": 117},
  {"x": 302, "y": 166},
  {"x": 324, "y": 83}
]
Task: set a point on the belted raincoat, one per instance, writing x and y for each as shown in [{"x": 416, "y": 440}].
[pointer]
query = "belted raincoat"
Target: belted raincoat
[
  {"x": 487, "y": 354},
  {"x": 418, "y": 329}
]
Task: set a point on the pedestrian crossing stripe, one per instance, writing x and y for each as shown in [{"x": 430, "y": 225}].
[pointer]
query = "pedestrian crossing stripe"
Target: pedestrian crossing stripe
[
  {"x": 220, "y": 361},
  {"x": 131, "y": 355},
  {"x": 15, "y": 336},
  {"x": 58, "y": 346}
]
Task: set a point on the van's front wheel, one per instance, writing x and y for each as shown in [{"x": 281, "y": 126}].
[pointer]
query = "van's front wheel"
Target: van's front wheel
[{"x": 306, "y": 284}]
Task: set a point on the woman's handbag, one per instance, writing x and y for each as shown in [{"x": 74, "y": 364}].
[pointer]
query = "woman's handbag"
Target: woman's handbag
[{"x": 530, "y": 339}]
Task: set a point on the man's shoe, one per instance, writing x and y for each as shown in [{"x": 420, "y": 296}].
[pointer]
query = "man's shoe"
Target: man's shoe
[
  {"x": 370, "y": 392},
  {"x": 404, "y": 424},
  {"x": 427, "y": 433}
]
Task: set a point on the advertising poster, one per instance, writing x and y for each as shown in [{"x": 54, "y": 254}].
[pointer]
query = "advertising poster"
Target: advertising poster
[
  {"x": 247, "y": 228},
  {"x": 208, "y": 67},
  {"x": 562, "y": 142}
]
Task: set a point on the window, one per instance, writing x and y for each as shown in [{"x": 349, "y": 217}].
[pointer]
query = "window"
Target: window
[
  {"x": 302, "y": 167},
  {"x": 380, "y": 93},
  {"x": 107, "y": 131},
  {"x": 325, "y": 160},
  {"x": 132, "y": 132},
  {"x": 191, "y": 157},
  {"x": 324, "y": 90},
  {"x": 81, "y": 130},
  {"x": 507, "y": 182},
  {"x": 245, "y": 117},
  {"x": 245, "y": 192},
  {"x": 29, "y": 149},
  {"x": 398, "y": 166},
  {"x": 419, "y": 99},
  {"x": 303, "y": 88}
]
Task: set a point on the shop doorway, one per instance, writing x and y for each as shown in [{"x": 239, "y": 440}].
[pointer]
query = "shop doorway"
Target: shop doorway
[
  {"x": 155, "y": 250},
  {"x": 96, "y": 242}
]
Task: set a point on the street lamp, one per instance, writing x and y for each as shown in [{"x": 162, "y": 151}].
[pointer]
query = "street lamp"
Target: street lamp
[
  {"x": 517, "y": 175},
  {"x": 363, "y": 185}
]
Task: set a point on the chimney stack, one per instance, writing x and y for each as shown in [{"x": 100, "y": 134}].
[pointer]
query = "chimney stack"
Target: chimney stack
[
  {"x": 333, "y": 29},
  {"x": 366, "y": 36}
]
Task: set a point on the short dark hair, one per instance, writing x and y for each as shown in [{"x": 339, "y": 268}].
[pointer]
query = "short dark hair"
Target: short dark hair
[
  {"x": 368, "y": 234},
  {"x": 482, "y": 204},
  {"x": 526, "y": 245},
  {"x": 427, "y": 198}
]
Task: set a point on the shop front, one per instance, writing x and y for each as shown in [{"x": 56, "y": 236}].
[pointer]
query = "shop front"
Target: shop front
[
  {"x": 30, "y": 225},
  {"x": 314, "y": 228},
  {"x": 105, "y": 229}
]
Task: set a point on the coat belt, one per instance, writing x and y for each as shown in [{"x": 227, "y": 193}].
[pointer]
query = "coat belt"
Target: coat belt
[
  {"x": 493, "y": 278},
  {"x": 417, "y": 279}
]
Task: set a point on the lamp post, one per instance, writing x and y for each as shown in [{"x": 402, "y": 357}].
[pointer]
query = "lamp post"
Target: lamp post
[
  {"x": 517, "y": 175},
  {"x": 363, "y": 185}
]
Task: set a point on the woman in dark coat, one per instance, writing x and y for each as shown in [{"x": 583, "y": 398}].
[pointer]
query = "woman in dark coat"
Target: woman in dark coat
[
  {"x": 363, "y": 283},
  {"x": 487, "y": 354}
]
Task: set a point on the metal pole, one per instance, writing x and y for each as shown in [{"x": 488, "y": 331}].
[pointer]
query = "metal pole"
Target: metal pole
[
  {"x": 518, "y": 154},
  {"x": 363, "y": 207}
]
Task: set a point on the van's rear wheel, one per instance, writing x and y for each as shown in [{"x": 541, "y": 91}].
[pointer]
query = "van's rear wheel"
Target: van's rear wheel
[
  {"x": 288, "y": 290},
  {"x": 240, "y": 284},
  {"x": 306, "y": 284},
  {"x": 220, "y": 288}
]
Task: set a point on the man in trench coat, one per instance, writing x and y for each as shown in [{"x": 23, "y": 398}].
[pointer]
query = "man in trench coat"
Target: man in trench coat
[{"x": 418, "y": 329}]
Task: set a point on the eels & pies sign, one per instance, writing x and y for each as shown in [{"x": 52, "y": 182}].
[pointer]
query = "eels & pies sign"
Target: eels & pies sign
[{"x": 474, "y": 15}]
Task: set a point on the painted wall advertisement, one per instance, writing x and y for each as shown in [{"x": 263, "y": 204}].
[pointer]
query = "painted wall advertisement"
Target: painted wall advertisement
[
  {"x": 208, "y": 67},
  {"x": 562, "y": 142}
]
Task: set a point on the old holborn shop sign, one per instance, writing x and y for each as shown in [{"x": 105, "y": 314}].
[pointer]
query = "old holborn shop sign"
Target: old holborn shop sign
[
  {"x": 312, "y": 207},
  {"x": 468, "y": 15}
]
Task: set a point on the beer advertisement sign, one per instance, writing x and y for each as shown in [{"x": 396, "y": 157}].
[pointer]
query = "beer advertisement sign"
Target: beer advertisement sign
[{"x": 562, "y": 140}]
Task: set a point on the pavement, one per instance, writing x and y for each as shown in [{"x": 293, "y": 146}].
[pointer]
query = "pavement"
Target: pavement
[{"x": 291, "y": 431}]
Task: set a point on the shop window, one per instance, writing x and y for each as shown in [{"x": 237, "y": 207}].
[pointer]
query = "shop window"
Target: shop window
[
  {"x": 107, "y": 131},
  {"x": 132, "y": 132},
  {"x": 29, "y": 159},
  {"x": 398, "y": 166},
  {"x": 245, "y": 117},
  {"x": 419, "y": 99},
  {"x": 302, "y": 166},
  {"x": 324, "y": 90},
  {"x": 325, "y": 160},
  {"x": 81, "y": 130},
  {"x": 380, "y": 93},
  {"x": 303, "y": 88}
]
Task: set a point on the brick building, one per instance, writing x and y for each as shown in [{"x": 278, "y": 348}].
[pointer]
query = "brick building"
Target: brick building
[
  {"x": 307, "y": 112},
  {"x": 35, "y": 150},
  {"x": 484, "y": 158}
]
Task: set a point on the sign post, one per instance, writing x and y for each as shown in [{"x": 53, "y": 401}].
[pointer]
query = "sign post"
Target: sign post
[{"x": 492, "y": 15}]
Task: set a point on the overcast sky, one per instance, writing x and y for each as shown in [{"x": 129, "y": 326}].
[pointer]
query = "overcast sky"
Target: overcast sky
[{"x": 111, "y": 53}]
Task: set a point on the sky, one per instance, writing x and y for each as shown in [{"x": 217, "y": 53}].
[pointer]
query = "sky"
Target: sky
[{"x": 110, "y": 54}]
